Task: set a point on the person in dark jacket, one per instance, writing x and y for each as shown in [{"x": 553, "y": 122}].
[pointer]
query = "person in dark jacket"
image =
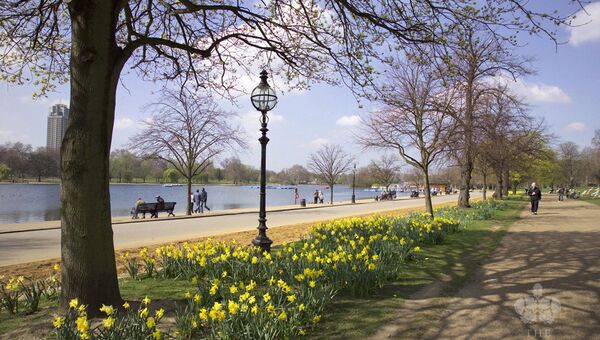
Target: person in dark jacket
[{"x": 535, "y": 194}]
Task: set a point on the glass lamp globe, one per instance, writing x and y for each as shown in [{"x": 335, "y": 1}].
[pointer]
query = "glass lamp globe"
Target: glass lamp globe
[{"x": 263, "y": 96}]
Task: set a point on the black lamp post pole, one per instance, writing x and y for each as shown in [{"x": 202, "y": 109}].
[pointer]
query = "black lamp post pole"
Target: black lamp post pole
[
  {"x": 353, "y": 184},
  {"x": 262, "y": 240}
]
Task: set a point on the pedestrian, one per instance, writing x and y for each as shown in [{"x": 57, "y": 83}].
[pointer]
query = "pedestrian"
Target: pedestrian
[
  {"x": 203, "y": 200},
  {"x": 196, "y": 201},
  {"x": 296, "y": 196},
  {"x": 561, "y": 193},
  {"x": 316, "y": 196},
  {"x": 321, "y": 197},
  {"x": 535, "y": 195}
]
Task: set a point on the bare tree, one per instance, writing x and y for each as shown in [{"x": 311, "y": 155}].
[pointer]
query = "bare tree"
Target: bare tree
[
  {"x": 187, "y": 131},
  {"x": 415, "y": 119},
  {"x": 385, "y": 170},
  {"x": 475, "y": 58},
  {"x": 509, "y": 138},
  {"x": 569, "y": 156},
  {"x": 328, "y": 163}
]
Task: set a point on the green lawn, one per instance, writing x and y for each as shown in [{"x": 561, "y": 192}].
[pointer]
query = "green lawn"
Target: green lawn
[
  {"x": 458, "y": 257},
  {"x": 591, "y": 200}
]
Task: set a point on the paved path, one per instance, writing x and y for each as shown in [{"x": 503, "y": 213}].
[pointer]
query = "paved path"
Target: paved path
[
  {"x": 558, "y": 249},
  {"x": 23, "y": 247}
]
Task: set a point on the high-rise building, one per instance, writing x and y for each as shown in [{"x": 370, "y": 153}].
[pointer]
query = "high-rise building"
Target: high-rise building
[{"x": 57, "y": 125}]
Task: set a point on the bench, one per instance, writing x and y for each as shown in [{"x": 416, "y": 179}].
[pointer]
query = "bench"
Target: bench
[{"x": 153, "y": 209}]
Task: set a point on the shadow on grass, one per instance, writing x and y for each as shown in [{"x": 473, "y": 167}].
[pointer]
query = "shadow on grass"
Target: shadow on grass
[{"x": 442, "y": 271}]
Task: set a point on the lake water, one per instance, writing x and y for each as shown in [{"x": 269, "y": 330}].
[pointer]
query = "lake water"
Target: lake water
[{"x": 40, "y": 202}]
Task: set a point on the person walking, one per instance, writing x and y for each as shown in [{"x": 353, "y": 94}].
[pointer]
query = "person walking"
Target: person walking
[
  {"x": 535, "y": 195},
  {"x": 203, "y": 200},
  {"x": 561, "y": 193},
  {"x": 321, "y": 197},
  {"x": 316, "y": 196},
  {"x": 196, "y": 201}
]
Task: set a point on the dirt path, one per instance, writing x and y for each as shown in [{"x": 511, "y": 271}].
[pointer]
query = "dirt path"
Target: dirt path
[{"x": 558, "y": 249}]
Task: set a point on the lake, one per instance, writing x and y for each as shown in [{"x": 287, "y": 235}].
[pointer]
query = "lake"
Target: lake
[{"x": 40, "y": 202}]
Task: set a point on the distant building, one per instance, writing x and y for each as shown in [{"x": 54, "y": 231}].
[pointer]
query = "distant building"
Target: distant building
[{"x": 57, "y": 125}]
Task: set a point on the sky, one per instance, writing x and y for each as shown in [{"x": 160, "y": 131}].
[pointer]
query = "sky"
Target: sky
[{"x": 565, "y": 92}]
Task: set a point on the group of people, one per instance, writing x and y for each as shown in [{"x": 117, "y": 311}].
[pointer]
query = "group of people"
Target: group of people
[
  {"x": 566, "y": 192},
  {"x": 318, "y": 196},
  {"x": 140, "y": 201},
  {"x": 199, "y": 199}
]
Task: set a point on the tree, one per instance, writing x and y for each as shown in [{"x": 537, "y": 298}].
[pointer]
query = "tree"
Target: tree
[
  {"x": 16, "y": 157},
  {"x": 328, "y": 163},
  {"x": 569, "y": 157},
  {"x": 187, "y": 131},
  {"x": 88, "y": 43},
  {"x": 474, "y": 59},
  {"x": 385, "y": 170},
  {"x": 415, "y": 119},
  {"x": 4, "y": 172},
  {"x": 122, "y": 165},
  {"x": 43, "y": 163}
]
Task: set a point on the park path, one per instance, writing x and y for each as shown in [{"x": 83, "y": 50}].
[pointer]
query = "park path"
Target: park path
[
  {"x": 36, "y": 245},
  {"x": 558, "y": 249}
]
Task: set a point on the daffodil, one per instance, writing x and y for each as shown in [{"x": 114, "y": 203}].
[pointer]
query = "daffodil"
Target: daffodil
[
  {"x": 108, "y": 310},
  {"x": 109, "y": 322},
  {"x": 58, "y": 322}
]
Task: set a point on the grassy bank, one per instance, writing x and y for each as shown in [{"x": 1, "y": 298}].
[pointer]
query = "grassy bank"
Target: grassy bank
[{"x": 455, "y": 261}]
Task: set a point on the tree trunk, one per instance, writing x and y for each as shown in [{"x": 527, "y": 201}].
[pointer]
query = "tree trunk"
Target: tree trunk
[
  {"x": 427, "y": 191},
  {"x": 484, "y": 186},
  {"x": 465, "y": 184},
  {"x": 499, "y": 186},
  {"x": 331, "y": 194},
  {"x": 505, "y": 180},
  {"x": 467, "y": 162},
  {"x": 87, "y": 251},
  {"x": 190, "y": 206}
]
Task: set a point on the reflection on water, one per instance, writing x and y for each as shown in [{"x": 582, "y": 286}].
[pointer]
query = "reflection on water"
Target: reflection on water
[
  {"x": 40, "y": 202},
  {"x": 232, "y": 206}
]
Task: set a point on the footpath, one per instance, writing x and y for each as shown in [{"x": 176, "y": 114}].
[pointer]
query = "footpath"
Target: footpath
[
  {"x": 542, "y": 282},
  {"x": 43, "y": 244}
]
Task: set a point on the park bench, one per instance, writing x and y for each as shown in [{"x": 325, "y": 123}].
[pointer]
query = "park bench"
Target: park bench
[{"x": 153, "y": 209}]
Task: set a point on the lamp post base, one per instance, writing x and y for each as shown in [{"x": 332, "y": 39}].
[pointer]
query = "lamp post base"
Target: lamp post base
[{"x": 263, "y": 242}]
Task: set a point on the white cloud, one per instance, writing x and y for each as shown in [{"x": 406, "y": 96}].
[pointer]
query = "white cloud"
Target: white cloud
[
  {"x": 318, "y": 142},
  {"x": 535, "y": 92},
  {"x": 586, "y": 25},
  {"x": 124, "y": 123},
  {"x": 353, "y": 120},
  {"x": 13, "y": 136},
  {"x": 575, "y": 127}
]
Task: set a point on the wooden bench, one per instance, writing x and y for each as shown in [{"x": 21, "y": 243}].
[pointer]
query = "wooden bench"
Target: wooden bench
[{"x": 153, "y": 209}]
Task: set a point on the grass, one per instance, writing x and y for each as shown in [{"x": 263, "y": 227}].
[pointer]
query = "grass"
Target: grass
[
  {"x": 456, "y": 261},
  {"x": 593, "y": 200}
]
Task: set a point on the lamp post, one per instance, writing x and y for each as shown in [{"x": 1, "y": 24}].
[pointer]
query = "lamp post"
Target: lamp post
[
  {"x": 264, "y": 100},
  {"x": 353, "y": 183}
]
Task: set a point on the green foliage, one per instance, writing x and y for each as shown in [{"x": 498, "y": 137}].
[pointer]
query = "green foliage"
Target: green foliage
[
  {"x": 4, "y": 171},
  {"x": 170, "y": 175}
]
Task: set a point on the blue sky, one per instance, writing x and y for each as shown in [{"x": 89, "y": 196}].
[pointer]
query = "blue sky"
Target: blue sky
[{"x": 565, "y": 92}]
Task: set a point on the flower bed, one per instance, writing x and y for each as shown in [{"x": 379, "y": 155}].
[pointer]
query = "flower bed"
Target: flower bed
[{"x": 243, "y": 293}]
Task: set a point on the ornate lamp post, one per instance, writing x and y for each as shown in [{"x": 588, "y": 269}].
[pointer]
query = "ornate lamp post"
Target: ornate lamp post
[
  {"x": 264, "y": 100},
  {"x": 353, "y": 183}
]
